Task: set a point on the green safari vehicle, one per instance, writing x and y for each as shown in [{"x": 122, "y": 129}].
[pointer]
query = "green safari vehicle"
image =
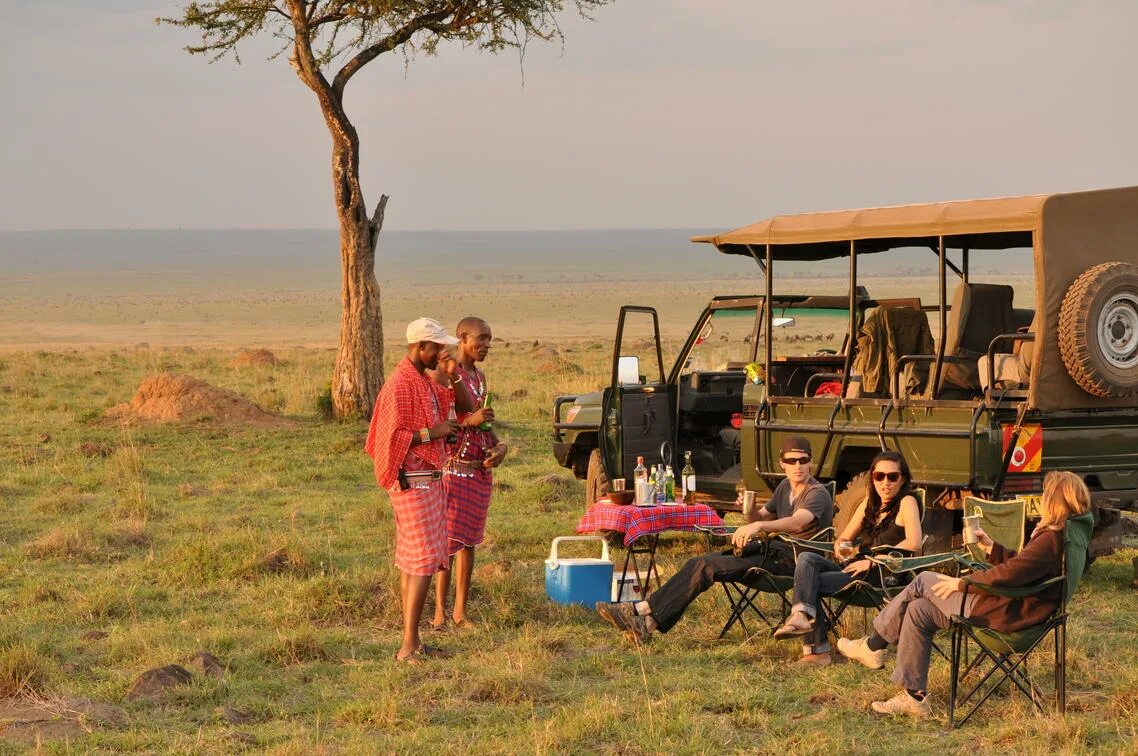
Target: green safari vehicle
[{"x": 1008, "y": 391}]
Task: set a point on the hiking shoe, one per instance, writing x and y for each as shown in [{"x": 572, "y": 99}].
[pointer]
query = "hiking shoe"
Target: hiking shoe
[
  {"x": 903, "y": 703},
  {"x": 623, "y": 617},
  {"x": 859, "y": 650}
]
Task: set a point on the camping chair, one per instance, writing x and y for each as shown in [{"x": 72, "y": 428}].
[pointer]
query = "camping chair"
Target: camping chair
[
  {"x": 1003, "y": 521},
  {"x": 888, "y": 576},
  {"x": 743, "y": 593},
  {"x": 1008, "y": 652}
]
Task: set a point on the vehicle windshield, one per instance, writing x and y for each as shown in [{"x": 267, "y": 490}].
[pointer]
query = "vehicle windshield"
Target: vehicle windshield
[
  {"x": 723, "y": 343},
  {"x": 809, "y": 330}
]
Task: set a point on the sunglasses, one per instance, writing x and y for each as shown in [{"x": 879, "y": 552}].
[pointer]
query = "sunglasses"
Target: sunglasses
[
  {"x": 892, "y": 477},
  {"x": 796, "y": 460}
]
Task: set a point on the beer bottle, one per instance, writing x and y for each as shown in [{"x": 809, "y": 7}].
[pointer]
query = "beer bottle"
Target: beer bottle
[{"x": 485, "y": 403}]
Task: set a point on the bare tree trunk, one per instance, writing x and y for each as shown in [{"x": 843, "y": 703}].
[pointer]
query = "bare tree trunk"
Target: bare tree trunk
[{"x": 358, "y": 373}]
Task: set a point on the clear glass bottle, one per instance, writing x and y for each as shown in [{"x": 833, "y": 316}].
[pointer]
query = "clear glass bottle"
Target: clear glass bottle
[
  {"x": 641, "y": 472},
  {"x": 669, "y": 484},
  {"x": 687, "y": 477},
  {"x": 660, "y": 493}
]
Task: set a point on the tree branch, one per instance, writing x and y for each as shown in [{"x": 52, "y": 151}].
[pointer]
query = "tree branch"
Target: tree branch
[
  {"x": 387, "y": 44},
  {"x": 376, "y": 223}
]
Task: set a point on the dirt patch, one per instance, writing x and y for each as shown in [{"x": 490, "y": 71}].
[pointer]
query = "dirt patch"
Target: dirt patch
[
  {"x": 170, "y": 397},
  {"x": 257, "y": 357},
  {"x": 151, "y": 683},
  {"x": 559, "y": 364},
  {"x": 32, "y": 720}
]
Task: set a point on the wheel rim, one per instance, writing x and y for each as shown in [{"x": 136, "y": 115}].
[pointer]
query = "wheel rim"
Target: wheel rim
[{"x": 1118, "y": 331}]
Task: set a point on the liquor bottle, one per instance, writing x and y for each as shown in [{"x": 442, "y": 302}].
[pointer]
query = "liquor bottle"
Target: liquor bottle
[
  {"x": 485, "y": 403},
  {"x": 660, "y": 493},
  {"x": 641, "y": 472},
  {"x": 669, "y": 484},
  {"x": 687, "y": 477},
  {"x": 452, "y": 438}
]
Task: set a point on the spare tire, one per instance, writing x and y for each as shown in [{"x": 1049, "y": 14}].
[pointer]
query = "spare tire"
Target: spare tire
[{"x": 1098, "y": 330}]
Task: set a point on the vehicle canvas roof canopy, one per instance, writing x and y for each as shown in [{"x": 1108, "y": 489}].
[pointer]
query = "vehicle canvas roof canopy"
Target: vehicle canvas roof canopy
[{"x": 1068, "y": 234}]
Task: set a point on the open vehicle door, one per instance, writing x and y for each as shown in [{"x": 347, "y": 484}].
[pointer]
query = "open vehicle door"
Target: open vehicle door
[{"x": 637, "y": 407}]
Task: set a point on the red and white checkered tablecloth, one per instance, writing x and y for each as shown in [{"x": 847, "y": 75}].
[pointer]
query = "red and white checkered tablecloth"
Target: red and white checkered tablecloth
[{"x": 635, "y": 521}]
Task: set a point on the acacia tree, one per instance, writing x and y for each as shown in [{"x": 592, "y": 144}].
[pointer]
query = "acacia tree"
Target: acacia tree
[{"x": 328, "y": 42}]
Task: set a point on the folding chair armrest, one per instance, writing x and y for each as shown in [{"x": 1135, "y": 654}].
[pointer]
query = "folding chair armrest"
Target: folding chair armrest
[
  {"x": 966, "y": 561},
  {"x": 1016, "y": 591},
  {"x": 911, "y": 563},
  {"x": 822, "y": 547}
]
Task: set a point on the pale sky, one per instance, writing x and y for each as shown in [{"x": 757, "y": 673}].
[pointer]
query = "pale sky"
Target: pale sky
[{"x": 662, "y": 113}]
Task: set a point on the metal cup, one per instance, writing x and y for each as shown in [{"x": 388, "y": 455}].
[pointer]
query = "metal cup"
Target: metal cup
[
  {"x": 971, "y": 525},
  {"x": 618, "y": 484},
  {"x": 748, "y": 503}
]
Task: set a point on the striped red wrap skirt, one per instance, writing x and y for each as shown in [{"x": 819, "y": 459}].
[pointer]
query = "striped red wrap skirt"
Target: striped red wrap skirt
[
  {"x": 420, "y": 529},
  {"x": 468, "y": 501}
]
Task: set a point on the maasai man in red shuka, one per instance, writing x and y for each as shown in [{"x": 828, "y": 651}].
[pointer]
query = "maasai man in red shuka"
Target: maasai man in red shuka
[
  {"x": 467, "y": 478},
  {"x": 406, "y": 442}
]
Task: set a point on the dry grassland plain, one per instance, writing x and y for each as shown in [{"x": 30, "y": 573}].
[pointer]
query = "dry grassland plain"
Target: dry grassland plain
[{"x": 125, "y": 548}]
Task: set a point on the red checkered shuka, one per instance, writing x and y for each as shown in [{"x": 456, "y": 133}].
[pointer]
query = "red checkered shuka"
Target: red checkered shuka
[
  {"x": 468, "y": 502},
  {"x": 408, "y": 402},
  {"x": 420, "y": 526}
]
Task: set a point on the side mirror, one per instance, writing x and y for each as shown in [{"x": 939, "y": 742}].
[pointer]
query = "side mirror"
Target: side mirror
[
  {"x": 628, "y": 370},
  {"x": 782, "y": 322}
]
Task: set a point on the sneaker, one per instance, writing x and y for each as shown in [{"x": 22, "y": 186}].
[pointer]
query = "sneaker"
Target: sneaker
[
  {"x": 859, "y": 650},
  {"x": 624, "y": 617},
  {"x": 903, "y": 703}
]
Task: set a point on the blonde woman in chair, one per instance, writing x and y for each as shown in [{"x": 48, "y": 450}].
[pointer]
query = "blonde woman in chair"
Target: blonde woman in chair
[
  {"x": 926, "y": 605},
  {"x": 888, "y": 516}
]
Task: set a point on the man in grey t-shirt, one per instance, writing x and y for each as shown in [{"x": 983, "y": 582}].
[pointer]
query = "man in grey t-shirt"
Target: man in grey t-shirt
[{"x": 799, "y": 506}]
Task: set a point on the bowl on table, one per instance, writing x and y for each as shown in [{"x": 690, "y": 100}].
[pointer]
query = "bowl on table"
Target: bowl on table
[{"x": 621, "y": 498}]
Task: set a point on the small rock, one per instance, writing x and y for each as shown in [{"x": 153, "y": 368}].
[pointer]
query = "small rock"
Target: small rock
[
  {"x": 94, "y": 635},
  {"x": 152, "y": 682},
  {"x": 208, "y": 664},
  {"x": 91, "y": 449},
  {"x": 187, "y": 489},
  {"x": 233, "y": 716}
]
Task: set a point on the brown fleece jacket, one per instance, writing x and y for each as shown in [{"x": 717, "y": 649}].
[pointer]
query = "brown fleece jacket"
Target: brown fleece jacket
[{"x": 1040, "y": 559}]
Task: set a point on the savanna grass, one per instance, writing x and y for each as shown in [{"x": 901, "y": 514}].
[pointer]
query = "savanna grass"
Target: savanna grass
[{"x": 272, "y": 549}]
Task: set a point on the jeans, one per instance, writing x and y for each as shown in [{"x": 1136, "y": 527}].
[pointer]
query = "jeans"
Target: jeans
[
  {"x": 911, "y": 620},
  {"x": 669, "y": 601},
  {"x": 814, "y": 576}
]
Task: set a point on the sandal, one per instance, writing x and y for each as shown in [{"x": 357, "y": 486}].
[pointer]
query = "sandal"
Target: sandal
[
  {"x": 464, "y": 624},
  {"x": 440, "y": 627},
  {"x": 412, "y": 659},
  {"x": 793, "y": 630}
]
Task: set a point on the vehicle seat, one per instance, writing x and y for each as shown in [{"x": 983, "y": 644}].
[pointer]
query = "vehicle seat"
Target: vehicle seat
[
  {"x": 888, "y": 334},
  {"x": 980, "y": 312}
]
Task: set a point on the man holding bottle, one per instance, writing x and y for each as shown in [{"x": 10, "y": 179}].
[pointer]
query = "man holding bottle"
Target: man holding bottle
[
  {"x": 799, "y": 506},
  {"x": 405, "y": 440},
  {"x": 468, "y": 480}
]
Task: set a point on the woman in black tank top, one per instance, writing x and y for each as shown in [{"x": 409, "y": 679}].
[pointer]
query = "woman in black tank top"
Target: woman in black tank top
[{"x": 889, "y": 516}]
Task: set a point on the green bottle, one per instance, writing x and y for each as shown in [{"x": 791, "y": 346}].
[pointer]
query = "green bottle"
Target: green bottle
[{"x": 485, "y": 403}]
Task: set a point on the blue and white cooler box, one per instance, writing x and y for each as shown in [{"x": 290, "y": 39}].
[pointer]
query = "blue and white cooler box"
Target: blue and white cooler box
[{"x": 583, "y": 581}]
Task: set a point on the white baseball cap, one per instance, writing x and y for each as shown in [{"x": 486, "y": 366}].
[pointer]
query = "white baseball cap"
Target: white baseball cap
[{"x": 429, "y": 329}]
